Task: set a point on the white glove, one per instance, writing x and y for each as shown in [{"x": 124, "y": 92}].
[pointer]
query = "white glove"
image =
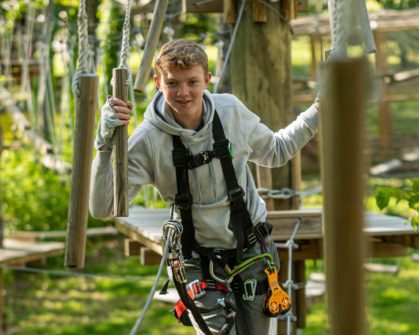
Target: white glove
[{"x": 109, "y": 120}]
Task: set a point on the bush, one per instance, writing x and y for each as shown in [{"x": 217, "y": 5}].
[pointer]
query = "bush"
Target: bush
[{"x": 34, "y": 198}]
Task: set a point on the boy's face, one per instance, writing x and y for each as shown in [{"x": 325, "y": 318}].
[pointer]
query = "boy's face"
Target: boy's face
[{"x": 183, "y": 90}]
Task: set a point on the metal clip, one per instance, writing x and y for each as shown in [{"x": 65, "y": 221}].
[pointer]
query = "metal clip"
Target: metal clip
[
  {"x": 249, "y": 289},
  {"x": 196, "y": 290}
]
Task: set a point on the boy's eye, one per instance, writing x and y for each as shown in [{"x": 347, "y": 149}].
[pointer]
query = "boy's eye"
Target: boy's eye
[
  {"x": 171, "y": 83},
  {"x": 194, "y": 82}
]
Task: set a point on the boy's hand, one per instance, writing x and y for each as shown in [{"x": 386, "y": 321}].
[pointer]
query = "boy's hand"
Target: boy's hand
[{"x": 114, "y": 113}]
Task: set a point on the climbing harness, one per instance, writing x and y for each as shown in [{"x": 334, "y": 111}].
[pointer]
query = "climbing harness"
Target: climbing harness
[
  {"x": 173, "y": 230},
  {"x": 244, "y": 231}
]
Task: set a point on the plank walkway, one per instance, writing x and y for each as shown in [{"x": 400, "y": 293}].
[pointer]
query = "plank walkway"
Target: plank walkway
[
  {"x": 145, "y": 226},
  {"x": 19, "y": 253}
]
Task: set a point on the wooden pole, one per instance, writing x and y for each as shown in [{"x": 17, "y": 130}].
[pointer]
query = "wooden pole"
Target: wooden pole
[
  {"x": 2, "y": 307},
  {"x": 120, "y": 91},
  {"x": 262, "y": 80},
  {"x": 342, "y": 112},
  {"x": 80, "y": 178},
  {"x": 153, "y": 37}
]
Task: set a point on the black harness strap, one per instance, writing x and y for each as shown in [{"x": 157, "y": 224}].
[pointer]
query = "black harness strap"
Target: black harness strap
[
  {"x": 183, "y": 198},
  {"x": 186, "y": 299},
  {"x": 240, "y": 220},
  {"x": 183, "y": 160}
]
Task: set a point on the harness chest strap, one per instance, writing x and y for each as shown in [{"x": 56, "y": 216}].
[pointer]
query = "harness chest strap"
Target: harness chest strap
[{"x": 183, "y": 160}]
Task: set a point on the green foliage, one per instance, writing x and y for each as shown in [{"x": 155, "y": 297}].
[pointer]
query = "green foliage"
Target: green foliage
[
  {"x": 409, "y": 192},
  {"x": 33, "y": 198},
  {"x": 398, "y": 4}
]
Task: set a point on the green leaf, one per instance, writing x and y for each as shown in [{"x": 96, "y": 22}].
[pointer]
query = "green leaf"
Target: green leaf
[{"x": 382, "y": 198}]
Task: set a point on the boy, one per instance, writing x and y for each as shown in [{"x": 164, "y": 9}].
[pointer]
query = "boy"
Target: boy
[{"x": 184, "y": 133}]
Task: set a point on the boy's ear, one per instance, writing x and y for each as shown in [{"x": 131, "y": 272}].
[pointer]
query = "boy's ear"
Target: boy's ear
[
  {"x": 157, "y": 81},
  {"x": 207, "y": 79}
]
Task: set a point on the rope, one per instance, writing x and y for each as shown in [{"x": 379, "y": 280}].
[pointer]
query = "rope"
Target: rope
[
  {"x": 83, "y": 55},
  {"x": 336, "y": 29},
  {"x": 230, "y": 47},
  {"x": 151, "y": 294},
  {"x": 125, "y": 37},
  {"x": 74, "y": 274}
]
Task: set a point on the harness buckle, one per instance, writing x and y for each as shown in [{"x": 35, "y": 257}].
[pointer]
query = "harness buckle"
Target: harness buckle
[
  {"x": 235, "y": 193},
  {"x": 249, "y": 287},
  {"x": 196, "y": 289},
  {"x": 183, "y": 201}
]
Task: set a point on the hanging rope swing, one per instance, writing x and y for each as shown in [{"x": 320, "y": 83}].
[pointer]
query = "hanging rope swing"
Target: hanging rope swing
[{"x": 86, "y": 83}]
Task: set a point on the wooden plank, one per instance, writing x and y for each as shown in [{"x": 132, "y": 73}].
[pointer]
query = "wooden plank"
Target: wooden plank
[
  {"x": 57, "y": 234},
  {"x": 15, "y": 252},
  {"x": 380, "y": 249},
  {"x": 284, "y": 222}
]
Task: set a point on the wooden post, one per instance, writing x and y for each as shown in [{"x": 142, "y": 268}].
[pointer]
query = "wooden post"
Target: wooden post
[
  {"x": 153, "y": 37},
  {"x": 1, "y": 216},
  {"x": 263, "y": 82},
  {"x": 384, "y": 110},
  {"x": 2, "y": 307},
  {"x": 120, "y": 91},
  {"x": 80, "y": 178},
  {"x": 342, "y": 112},
  {"x": 229, "y": 12}
]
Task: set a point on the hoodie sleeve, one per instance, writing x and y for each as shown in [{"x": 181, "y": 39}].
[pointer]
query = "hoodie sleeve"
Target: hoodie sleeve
[
  {"x": 101, "y": 183},
  {"x": 273, "y": 149}
]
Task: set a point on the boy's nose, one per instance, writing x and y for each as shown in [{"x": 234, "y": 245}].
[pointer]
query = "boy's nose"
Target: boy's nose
[{"x": 183, "y": 90}]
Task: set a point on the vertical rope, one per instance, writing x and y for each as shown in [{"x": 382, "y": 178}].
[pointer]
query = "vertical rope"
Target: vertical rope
[
  {"x": 83, "y": 56},
  {"x": 230, "y": 47},
  {"x": 125, "y": 37}
]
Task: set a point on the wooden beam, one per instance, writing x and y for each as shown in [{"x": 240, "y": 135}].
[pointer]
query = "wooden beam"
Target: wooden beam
[
  {"x": 284, "y": 221},
  {"x": 202, "y": 6},
  {"x": 342, "y": 109},
  {"x": 230, "y": 13},
  {"x": 120, "y": 173},
  {"x": 259, "y": 11},
  {"x": 149, "y": 257},
  {"x": 153, "y": 36},
  {"x": 132, "y": 247},
  {"x": 80, "y": 179}
]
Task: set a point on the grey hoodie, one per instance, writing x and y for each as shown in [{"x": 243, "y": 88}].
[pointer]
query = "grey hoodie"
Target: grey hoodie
[{"x": 150, "y": 162}]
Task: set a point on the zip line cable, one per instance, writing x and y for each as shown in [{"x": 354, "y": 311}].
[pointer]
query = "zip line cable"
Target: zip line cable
[
  {"x": 75, "y": 274},
  {"x": 230, "y": 47},
  {"x": 151, "y": 294}
]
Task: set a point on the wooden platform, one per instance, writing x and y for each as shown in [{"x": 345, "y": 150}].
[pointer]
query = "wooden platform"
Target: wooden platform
[
  {"x": 19, "y": 253},
  {"x": 145, "y": 226}
]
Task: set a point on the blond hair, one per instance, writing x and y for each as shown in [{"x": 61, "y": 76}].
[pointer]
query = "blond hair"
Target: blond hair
[{"x": 182, "y": 54}]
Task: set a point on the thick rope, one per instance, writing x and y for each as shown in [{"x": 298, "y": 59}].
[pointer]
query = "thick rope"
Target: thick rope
[
  {"x": 83, "y": 56},
  {"x": 125, "y": 37}
]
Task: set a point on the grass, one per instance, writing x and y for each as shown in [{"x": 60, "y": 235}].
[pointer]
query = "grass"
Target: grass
[
  {"x": 68, "y": 305},
  {"x": 391, "y": 302}
]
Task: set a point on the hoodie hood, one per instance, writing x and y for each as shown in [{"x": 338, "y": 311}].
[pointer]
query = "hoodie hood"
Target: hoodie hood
[{"x": 159, "y": 114}]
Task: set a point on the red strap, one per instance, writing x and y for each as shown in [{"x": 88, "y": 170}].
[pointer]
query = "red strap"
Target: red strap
[{"x": 180, "y": 307}]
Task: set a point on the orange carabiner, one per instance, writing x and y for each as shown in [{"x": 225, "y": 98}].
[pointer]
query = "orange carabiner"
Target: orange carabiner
[{"x": 276, "y": 300}]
